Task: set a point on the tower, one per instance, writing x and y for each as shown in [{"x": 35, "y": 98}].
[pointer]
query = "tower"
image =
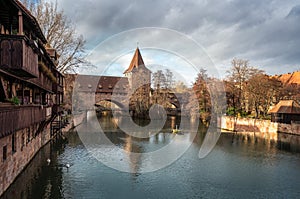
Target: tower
[
  {"x": 137, "y": 73},
  {"x": 139, "y": 79}
]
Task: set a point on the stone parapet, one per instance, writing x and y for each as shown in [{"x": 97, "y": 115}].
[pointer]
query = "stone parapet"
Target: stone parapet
[{"x": 257, "y": 125}]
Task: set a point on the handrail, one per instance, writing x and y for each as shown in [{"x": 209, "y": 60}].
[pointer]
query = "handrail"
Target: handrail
[{"x": 14, "y": 118}]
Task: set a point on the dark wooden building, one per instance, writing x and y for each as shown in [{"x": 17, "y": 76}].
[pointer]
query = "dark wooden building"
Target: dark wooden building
[
  {"x": 31, "y": 89},
  {"x": 286, "y": 111}
]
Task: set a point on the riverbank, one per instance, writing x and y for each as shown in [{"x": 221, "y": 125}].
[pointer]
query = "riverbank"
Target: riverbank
[
  {"x": 21, "y": 147},
  {"x": 257, "y": 125}
]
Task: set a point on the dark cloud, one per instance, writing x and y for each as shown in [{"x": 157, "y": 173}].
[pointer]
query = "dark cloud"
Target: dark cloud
[
  {"x": 264, "y": 32},
  {"x": 295, "y": 12}
]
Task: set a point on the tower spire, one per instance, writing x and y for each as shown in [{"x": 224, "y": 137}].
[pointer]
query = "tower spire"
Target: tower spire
[{"x": 136, "y": 61}]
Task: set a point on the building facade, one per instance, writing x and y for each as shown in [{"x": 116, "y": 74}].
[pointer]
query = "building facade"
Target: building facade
[{"x": 31, "y": 90}]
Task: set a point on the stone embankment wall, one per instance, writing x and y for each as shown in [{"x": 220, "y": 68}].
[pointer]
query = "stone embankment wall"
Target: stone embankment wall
[
  {"x": 15, "y": 157},
  {"x": 258, "y": 125}
]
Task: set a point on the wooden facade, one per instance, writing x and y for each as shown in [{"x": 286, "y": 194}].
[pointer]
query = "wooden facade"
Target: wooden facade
[
  {"x": 29, "y": 81},
  {"x": 286, "y": 111},
  {"x": 14, "y": 118}
]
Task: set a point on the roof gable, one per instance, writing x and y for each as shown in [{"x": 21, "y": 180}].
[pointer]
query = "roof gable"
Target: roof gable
[
  {"x": 136, "y": 62},
  {"x": 286, "y": 106}
]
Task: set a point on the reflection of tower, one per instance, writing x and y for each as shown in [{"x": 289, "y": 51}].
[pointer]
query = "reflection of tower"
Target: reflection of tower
[
  {"x": 134, "y": 154},
  {"x": 139, "y": 78}
]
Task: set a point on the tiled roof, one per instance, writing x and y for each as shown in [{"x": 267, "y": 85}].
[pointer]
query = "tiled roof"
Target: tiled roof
[
  {"x": 286, "y": 106},
  {"x": 137, "y": 61},
  {"x": 290, "y": 78},
  {"x": 109, "y": 84},
  {"x": 104, "y": 84}
]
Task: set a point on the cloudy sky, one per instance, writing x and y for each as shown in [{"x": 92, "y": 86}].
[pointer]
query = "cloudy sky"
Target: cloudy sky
[{"x": 265, "y": 32}]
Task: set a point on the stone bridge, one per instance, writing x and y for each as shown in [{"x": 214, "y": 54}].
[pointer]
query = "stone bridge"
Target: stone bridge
[{"x": 115, "y": 89}]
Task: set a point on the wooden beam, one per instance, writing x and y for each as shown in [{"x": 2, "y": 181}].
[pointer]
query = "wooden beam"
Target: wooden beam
[
  {"x": 20, "y": 22},
  {"x": 23, "y": 96},
  {"x": 3, "y": 90}
]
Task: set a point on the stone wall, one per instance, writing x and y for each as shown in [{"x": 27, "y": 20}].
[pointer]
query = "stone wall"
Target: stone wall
[
  {"x": 293, "y": 128},
  {"x": 258, "y": 125},
  {"x": 26, "y": 145}
]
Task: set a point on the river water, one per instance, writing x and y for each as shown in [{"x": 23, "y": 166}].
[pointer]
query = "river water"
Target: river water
[{"x": 240, "y": 166}]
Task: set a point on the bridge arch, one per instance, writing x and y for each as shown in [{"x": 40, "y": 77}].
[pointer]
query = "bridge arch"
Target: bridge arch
[{"x": 117, "y": 103}]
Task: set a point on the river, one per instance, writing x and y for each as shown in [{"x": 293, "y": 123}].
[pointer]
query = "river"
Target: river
[{"x": 240, "y": 166}]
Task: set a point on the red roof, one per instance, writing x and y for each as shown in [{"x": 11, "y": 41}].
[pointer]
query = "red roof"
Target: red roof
[
  {"x": 290, "y": 78},
  {"x": 110, "y": 84},
  {"x": 102, "y": 84},
  {"x": 286, "y": 106},
  {"x": 137, "y": 61}
]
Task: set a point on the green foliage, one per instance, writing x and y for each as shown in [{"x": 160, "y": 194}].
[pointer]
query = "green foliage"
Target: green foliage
[
  {"x": 243, "y": 113},
  {"x": 231, "y": 111},
  {"x": 15, "y": 100},
  {"x": 43, "y": 68}
]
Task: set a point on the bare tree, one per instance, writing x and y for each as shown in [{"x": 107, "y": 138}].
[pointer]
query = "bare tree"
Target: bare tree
[
  {"x": 59, "y": 32},
  {"x": 290, "y": 92},
  {"x": 169, "y": 79},
  {"x": 159, "y": 80},
  {"x": 180, "y": 87},
  {"x": 238, "y": 75},
  {"x": 261, "y": 91}
]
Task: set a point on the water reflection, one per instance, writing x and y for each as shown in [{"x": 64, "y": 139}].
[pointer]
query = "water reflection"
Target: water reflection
[
  {"x": 243, "y": 165},
  {"x": 269, "y": 142},
  {"x": 40, "y": 180}
]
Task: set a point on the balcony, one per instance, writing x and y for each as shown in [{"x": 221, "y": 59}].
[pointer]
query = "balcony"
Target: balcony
[
  {"x": 43, "y": 81},
  {"x": 13, "y": 118},
  {"x": 56, "y": 88},
  {"x": 56, "y": 109},
  {"x": 18, "y": 55}
]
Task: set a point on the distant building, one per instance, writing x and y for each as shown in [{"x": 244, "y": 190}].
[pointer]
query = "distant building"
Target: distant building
[
  {"x": 286, "y": 111},
  {"x": 136, "y": 79},
  {"x": 289, "y": 78}
]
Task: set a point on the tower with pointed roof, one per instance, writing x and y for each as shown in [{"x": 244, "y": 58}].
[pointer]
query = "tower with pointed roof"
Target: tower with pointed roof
[
  {"x": 137, "y": 73},
  {"x": 139, "y": 79}
]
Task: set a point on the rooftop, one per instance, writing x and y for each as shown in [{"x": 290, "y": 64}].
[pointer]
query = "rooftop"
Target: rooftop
[{"x": 286, "y": 106}]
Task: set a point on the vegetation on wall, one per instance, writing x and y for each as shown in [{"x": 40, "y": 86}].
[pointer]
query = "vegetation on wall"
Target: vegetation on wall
[{"x": 44, "y": 69}]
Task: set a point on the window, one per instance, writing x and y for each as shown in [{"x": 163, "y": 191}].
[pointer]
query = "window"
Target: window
[
  {"x": 13, "y": 143},
  {"x": 4, "y": 156}
]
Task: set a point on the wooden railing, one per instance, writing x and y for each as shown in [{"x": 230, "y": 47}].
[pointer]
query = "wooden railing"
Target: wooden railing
[
  {"x": 13, "y": 118},
  {"x": 43, "y": 81},
  {"x": 17, "y": 54},
  {"x": 56, "y": 109},
  {"x": 57, "y": 88}
]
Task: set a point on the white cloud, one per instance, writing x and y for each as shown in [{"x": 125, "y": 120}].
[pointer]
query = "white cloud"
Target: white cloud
[{"x": 264, "y": 32}]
